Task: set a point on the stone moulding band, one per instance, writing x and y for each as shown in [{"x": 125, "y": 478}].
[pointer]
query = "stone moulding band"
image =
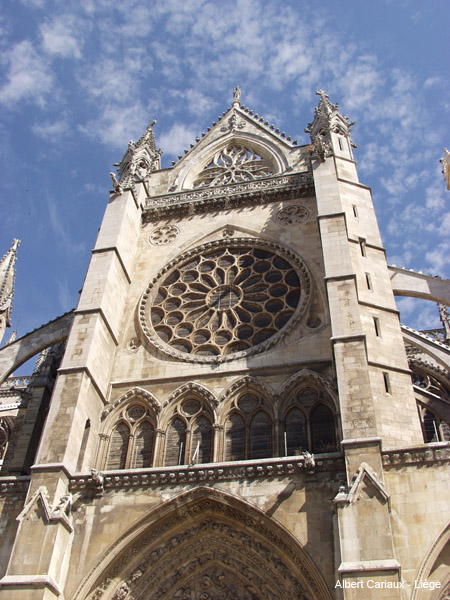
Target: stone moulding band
[
  {"x": 431, "y": 453},
  {"x": 228, "y": 196},
  {"x": 31, "y": 582},
  {"x": 211, "y": 472},
  {"x": 389, "y": 564}
]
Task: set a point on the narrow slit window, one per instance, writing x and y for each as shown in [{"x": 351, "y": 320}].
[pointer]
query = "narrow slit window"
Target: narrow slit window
[
  {"x": 362, "y": 246},
  {"x": 84, "y": 442},
  {"x": 368, "y": 281},
  {"x": 355, "y": 211},
  {"x": 376, "y": 324},
  {"x": 387, "y": 383},
  {"x": 341, "y": 147}
]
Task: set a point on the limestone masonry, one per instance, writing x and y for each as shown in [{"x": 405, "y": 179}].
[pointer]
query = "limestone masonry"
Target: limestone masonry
[{"x": 233, "y": 410}]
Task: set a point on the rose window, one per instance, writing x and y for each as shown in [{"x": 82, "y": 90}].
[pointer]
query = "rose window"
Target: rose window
[
  {"x": 234, "y": 164},
  {"x": 227, "y": 300}
]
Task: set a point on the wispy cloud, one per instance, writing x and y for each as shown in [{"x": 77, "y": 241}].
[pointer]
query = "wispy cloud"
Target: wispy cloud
[
  {"x": 28, "y": 76},
  {"x": 61, "y": 230},
  {"x": 177, "y": 139},
  {"x": 63, "y": 36},
  {"x": 51, "y": 131}
]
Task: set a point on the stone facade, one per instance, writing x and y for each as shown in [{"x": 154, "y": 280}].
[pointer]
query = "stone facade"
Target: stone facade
[{"x": 234, "y": 414}]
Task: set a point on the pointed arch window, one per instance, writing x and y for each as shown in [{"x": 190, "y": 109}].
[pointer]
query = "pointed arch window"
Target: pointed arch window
[
  {"x": 308, "y": 425},
  {"x": 176, "y": 443},
  {"x": 295, "y": 434},
  {"x": 235, "y": 438},
  {"x": 248, "y": 430},
  {"x": 118, "y": 447},
  {"x": 322, "y": 430},
  {"x": 132, "y": 440},
  {"x": 144, "y": 439},
  {"x": 189, "y": 437},
  {"x": 261, "y": 436},
  {"x": 202, "y": 440}
]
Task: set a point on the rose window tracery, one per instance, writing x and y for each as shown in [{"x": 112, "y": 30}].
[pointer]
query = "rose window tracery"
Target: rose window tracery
[
  {"x": 230, "y": 299},
  {"x": 234, "y": 164}
]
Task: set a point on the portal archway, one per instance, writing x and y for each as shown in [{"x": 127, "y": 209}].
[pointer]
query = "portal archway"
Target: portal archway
[{"x": 205, "y": 544}]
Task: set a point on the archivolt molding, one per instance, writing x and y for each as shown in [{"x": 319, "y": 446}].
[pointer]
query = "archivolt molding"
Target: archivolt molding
[
  {"x": 136, "y": 393},
  {"x": 441, "y": 372},
  {"x": 204, "y": 528},
  {"x": 262, "y": 146},
  {"x": 247, "y": 384},
  {"x": 188, "y": 389},
  {"x": 305, "y": 376},
  {"x": 426, "y": 566}
]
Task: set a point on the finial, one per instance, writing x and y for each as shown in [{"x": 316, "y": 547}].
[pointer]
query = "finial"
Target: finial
[
  {"x": 236, "y": 95},
  {"x": 322, "y": 94}
]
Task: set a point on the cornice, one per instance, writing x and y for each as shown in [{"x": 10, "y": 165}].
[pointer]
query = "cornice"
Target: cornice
[
  {"x": 258, "y": 191},
  {"x": 430, "y": 453},
  {"x": 212, "y": 472}
]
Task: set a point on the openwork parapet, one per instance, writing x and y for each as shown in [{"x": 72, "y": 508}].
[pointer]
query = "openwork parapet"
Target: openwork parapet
[{"x": 198, "y": 201}]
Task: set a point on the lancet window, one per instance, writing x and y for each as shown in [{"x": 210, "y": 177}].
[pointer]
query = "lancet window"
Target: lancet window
[
  {"x": 189, "y": 436},
  {"x": 434, "y": 429},
  {"x": 248, "y": 430},
  {"x": 308, "y": 424},
  {"x": 132, "y": 439}
]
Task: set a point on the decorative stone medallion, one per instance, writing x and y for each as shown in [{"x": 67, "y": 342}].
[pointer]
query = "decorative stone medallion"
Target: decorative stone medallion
[
  {"x": 224, "y": 300},
  {"x": 292, "y": 215},
  {"x": 165, "y": 234}
]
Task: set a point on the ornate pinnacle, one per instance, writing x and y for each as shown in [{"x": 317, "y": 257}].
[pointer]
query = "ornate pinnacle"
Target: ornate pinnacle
[{"x": 7, "y": 277}]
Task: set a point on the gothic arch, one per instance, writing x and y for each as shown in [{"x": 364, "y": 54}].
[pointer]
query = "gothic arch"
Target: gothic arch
[
  {"x": 263, "y": 146},
  {"x": 127, "y": 437},
  {"x": 134, "y": 393},
  {"x": 210, "y": 538},
  {"x": 246, "y": 383},
  {"x": 424, "y": 572},
  {"x": 305, "y": 376}
]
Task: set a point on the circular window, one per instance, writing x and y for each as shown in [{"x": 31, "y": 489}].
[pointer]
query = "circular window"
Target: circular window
[{"x": 224, "y": 300}]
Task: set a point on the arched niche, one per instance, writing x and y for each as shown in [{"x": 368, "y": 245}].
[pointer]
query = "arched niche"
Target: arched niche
[{"x": 205, "y": 538}]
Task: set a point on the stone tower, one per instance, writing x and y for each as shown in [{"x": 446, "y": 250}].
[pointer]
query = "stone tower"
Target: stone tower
[{"x": 234, "y": 414}]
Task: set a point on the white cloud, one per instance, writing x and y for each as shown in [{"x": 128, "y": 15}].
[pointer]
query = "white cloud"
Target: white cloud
[
  {"x": 61, "y": 229},
  {"x": 29, "y": 77},
  {"x": 63, "y": 36},
  {"x": 117, "y": 124},
  {"x": 51, "y": 130},
  {"x": 438, "y": 258},
  {"x": 177, "y": 139}
]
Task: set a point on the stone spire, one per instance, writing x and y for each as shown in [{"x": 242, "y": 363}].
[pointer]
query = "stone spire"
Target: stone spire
[
  {"x": 330, "y": 130},
  {"x": 7, "y": 276},
  {"x": 139, "y": 161}
]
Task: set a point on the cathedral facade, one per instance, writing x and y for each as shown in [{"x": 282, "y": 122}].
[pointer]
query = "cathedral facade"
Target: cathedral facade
[{"x": 233, "y": 410}]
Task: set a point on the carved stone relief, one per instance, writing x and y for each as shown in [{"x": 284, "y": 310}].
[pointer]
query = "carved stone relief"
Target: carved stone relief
[
  {"x": 165, "y": 234},
  {"x": 208, "y": 560},
  {"x": 293, "y": 215}
]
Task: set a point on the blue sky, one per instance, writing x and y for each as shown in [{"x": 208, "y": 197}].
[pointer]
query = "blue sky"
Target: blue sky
[{"x": 79, "y": 79}]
